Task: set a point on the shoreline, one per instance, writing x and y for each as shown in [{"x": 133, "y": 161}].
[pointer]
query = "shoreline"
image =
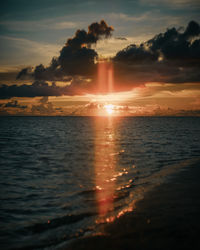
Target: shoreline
[{"x": 167, "y": 217}]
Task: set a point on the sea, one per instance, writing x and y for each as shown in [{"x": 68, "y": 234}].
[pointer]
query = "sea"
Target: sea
[{"x": 62, "y": 178}]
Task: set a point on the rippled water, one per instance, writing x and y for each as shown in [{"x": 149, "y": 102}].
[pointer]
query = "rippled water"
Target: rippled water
[{"x": 62, "y": 176}]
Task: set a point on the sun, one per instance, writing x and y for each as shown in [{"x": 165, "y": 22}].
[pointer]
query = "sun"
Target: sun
[{"x": 109, "y": 108}]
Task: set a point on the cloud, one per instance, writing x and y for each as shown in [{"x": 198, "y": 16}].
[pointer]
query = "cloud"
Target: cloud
[
  {"x": 42, "y": 88},
  {"x": 95, "y": 32},
  {"x": 148, "y": 19},
  {"x": 175, "y": 45},
  {"x": 171, "y": 45},
  {"x": 44, "y": 99},
  {"x": 76, "y": 57},
  {"x": 94, "y": 108},
  {"x": 121, "y": 38},
  {"x": 21, "y": 50},
  {"x": 45, "y": 108},
  {"x": 172, "y": 56},
  {"x": 37, "y": 88},
  {"x": 24, "y": 73},
  {"x": 42, "y": 109},
  {"x": 128, "y": 18},
  {"x": 108, "y": 48},
  {"x": 169, "y": 57},
  {"x": 173, "y": 3},
  {"x": 13, "y": 104},
  {"x": 159, "y": 111},
  {"x": 47, "y": 24}
]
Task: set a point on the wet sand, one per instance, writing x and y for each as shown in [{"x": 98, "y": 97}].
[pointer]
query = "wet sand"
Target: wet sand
[{"x": 167, "y": 218}]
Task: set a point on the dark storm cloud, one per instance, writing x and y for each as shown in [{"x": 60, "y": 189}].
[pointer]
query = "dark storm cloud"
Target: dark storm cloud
[
  {"x": 78, "y": 61},
  {"x": 42, "y": 88},
  {"x": 136, "y": 54},
  {"x": 174, "y": 45},
  {"x": 24, "y": 73},
  {"x": 38, "y": 88},
  {"x": 76, "y": 57},
  {"x": 94, "y": 33},
  {"x": 172, "y": 56}
]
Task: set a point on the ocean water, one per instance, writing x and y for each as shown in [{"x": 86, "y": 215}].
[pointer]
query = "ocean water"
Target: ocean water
[{"x": 63, "y": 177}]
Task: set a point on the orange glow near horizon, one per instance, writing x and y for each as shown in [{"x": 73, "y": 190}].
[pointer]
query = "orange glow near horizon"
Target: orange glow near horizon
[
  {"x": 109, "y": 108},
  {"x": 106, "y": 84}
]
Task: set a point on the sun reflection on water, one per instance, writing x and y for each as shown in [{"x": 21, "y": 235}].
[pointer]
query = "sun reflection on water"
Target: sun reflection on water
[
  {"x": 109, "y": 188},
  {"x": 107, "y": 151},
  {"x": 105, "y": 162}
]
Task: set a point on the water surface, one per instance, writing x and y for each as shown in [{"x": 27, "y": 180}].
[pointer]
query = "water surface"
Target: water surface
[{"x": 60, "y": 177}]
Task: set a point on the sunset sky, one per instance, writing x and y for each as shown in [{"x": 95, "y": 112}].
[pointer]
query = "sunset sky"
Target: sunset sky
[{"x": 122, "y": 57}]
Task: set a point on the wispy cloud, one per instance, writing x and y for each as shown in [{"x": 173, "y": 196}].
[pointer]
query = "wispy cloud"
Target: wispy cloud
[
  {"x": 173, "y": 3},
  {"x": 150, "y": 17},
  {"x": 25, "y": 51},
  {"x": 135, "y": 18},
  {"x": 47, "y": 24},
  {"x": 110, "y": 47}
]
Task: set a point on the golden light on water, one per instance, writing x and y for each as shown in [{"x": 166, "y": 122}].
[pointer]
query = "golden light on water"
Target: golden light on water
[
  {"x": 106, "y": 170},
  {"x": 105, "y": 162}
]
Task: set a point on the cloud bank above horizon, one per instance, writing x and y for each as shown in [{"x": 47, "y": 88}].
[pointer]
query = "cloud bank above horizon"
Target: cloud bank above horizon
[{"x": 169, "y": 57}]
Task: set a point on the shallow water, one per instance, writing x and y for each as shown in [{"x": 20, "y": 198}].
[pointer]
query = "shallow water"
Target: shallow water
[{"x": 62, "y": 176}]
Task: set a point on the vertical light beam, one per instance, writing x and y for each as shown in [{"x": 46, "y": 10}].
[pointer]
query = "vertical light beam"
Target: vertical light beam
[{"x": 105, "y": 77}]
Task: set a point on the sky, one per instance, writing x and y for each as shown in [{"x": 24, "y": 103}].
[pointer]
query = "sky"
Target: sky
[{"x": 130, "y": 57}]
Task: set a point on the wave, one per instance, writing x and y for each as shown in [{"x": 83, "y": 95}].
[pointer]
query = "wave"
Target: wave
[{"x": 58, "y": 222}]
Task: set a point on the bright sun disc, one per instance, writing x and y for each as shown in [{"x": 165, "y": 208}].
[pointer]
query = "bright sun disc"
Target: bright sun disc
[{"x": 109, "y": 108}]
